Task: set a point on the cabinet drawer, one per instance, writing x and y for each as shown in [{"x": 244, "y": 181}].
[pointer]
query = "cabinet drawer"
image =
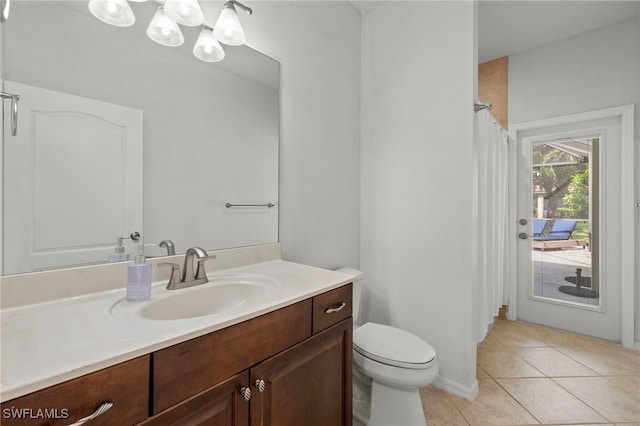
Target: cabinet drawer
[
  {"x": 188, "y": 368},
  {"x": 332, "y": 307},
  {"x": 126, "y": 385}
]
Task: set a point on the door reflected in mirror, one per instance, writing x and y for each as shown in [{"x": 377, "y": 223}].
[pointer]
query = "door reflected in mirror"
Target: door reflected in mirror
[{"x": 209, "y": 136}]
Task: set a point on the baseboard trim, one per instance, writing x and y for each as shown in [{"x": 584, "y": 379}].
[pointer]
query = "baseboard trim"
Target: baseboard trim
[{"x": 448, "y": 385}]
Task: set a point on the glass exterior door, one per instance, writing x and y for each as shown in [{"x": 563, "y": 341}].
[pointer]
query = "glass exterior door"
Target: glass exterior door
[
  {"x": 572, "y": 242},
  {"x": 564, "y": 221}
]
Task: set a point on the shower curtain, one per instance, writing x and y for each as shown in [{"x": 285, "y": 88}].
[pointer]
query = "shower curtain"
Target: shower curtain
[{"x": 492, "y": 168}]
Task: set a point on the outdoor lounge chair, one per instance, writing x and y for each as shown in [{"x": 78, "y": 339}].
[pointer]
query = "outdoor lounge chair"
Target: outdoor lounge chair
[
  {"x": 561, "y": 229},
  {"x": 538, "y": 226},
  {"x": 558, "y": 237}
]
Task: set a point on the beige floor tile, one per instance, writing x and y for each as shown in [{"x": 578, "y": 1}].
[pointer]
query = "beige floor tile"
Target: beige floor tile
[
  {"x": 548, "y": 402},
  {"x": 504, "y": 364},
  {"x": 439, "y": 408},
  {"x": 605, "y": 359},
  {"x": 481, "y": 374},
  {"x": 517, "y": 335},
  {"x": 554, "y": 337},
  {"x": 493, "y": 406},
  {"x": 615, "y": 403},
  {"x": 552, "y": 362},
  {"x": 519, "y": 355},
  {"x": 630, "y": 384},
  {"x": 489, "y": 344}
]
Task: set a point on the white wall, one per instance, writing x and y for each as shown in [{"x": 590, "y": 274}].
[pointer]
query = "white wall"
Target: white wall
[
  {"x": 418, "y": 205},
  {"x": 595, "y": 70},
  {"x": 318, "y": 46}
]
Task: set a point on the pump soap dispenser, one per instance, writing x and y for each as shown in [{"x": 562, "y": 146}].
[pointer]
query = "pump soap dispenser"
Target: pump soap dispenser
[
  {"x": 118, "y": 255},
  {"x": 139, "y": 277}
]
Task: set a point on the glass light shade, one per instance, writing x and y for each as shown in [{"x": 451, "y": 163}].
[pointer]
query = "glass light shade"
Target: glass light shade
[
  {"x": 113, "y": 12},
  {"x": 228, "y": 29},
  {"x": 163, "y": 30},
  {"x": 184, "y": 12},
  {"x": 207, "y": 47}
]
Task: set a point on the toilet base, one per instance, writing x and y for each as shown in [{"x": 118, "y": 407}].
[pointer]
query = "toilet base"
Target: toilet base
[
  {"x": 395, "y": 406},
  {"x": 381, "y": 405}
]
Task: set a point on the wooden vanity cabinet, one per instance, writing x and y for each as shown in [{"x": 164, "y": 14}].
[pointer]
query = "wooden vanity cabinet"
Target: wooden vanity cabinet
[
  {"x": 296, "y": 362},
  {"x": 183, "y": 370},
  {"x": 126, "y": 385}
]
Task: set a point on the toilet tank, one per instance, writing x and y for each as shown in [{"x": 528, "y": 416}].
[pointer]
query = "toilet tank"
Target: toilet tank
[{"x": 357, "y": 290}]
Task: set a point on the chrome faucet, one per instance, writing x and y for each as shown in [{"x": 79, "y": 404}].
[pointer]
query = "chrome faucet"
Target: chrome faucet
[{"x": 189, "y": 276}]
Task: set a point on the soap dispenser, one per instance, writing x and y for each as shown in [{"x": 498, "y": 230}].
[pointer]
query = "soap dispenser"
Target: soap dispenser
[
  {"x": 139, "y": 277},
  {"x": 119, "y": 255}
]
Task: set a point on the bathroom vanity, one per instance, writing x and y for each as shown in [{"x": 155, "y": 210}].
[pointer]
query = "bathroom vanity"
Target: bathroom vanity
[{"x": 286, "y": 361}]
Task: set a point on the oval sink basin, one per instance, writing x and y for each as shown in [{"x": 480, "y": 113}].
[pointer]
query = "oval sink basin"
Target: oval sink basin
[
  {"x": 223, "y": 294},
  {"x": 204, "y": 301}
]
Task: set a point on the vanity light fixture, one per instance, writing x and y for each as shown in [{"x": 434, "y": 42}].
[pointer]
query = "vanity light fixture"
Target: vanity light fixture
[
  {"x": 184, "y": 12},
  {"x": 207, "y": 48},
  {"x": 113, "y": 12},
  {"x": 228, "y": 29},
  {"x": 163, "y": 30}
]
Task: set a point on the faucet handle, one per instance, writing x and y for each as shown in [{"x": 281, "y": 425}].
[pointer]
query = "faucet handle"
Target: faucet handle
[
  {"x": 200, "y": 270},
  {"x": 174, "y": 278}
]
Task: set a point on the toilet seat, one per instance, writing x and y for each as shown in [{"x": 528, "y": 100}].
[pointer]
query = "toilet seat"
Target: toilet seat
[{"x": 392, "y": 346}]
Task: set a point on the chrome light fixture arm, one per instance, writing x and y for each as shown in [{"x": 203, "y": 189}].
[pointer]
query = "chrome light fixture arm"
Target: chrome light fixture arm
[{"x": 247, "y": 9}]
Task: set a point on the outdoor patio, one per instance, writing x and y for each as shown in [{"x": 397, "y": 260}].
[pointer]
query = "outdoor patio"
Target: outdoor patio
[{"x": 551, "y": 267}]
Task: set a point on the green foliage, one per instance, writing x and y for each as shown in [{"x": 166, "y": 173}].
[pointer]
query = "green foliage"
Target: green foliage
[
  {"x": 576, "y": 202},
  {"x": 553, "y": 177}
]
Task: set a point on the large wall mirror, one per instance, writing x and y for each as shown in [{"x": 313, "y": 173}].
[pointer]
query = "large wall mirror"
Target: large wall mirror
[{"x": 117, "y": 134}]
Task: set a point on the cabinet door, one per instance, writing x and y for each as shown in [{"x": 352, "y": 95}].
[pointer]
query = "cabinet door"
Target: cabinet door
[
  {"x": 221, "y": 405},
  {"x": 308, "y": 384}
]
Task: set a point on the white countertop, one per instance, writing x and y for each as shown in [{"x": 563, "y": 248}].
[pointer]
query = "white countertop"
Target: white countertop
[{"x": 48, "y": 343}]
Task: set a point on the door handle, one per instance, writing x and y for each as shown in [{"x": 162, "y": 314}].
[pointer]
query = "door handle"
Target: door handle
[
  {"x": 14, "y": 110},
  {"x": 523, "y": 236}
]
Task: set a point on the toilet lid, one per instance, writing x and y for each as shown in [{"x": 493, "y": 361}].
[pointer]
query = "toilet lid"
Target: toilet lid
[{"x": 392, "y": 346}]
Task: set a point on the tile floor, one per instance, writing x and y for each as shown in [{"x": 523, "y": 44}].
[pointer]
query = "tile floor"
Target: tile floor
[{"x": 536, "y": 375}]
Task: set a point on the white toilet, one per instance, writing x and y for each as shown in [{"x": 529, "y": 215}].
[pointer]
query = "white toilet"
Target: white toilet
[{"x": 389, "y": 367}]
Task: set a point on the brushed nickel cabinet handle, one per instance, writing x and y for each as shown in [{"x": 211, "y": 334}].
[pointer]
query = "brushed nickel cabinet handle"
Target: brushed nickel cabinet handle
[
  {"x": 99, "y": 411},
  {"x": 246, "y": 393},
  {"x": 260, "y": 384},
  {"x": 336, "y": 309}
]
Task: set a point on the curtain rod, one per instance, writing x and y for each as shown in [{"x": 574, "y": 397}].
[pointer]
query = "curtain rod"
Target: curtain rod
[{"x": 479, "y": 107}]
